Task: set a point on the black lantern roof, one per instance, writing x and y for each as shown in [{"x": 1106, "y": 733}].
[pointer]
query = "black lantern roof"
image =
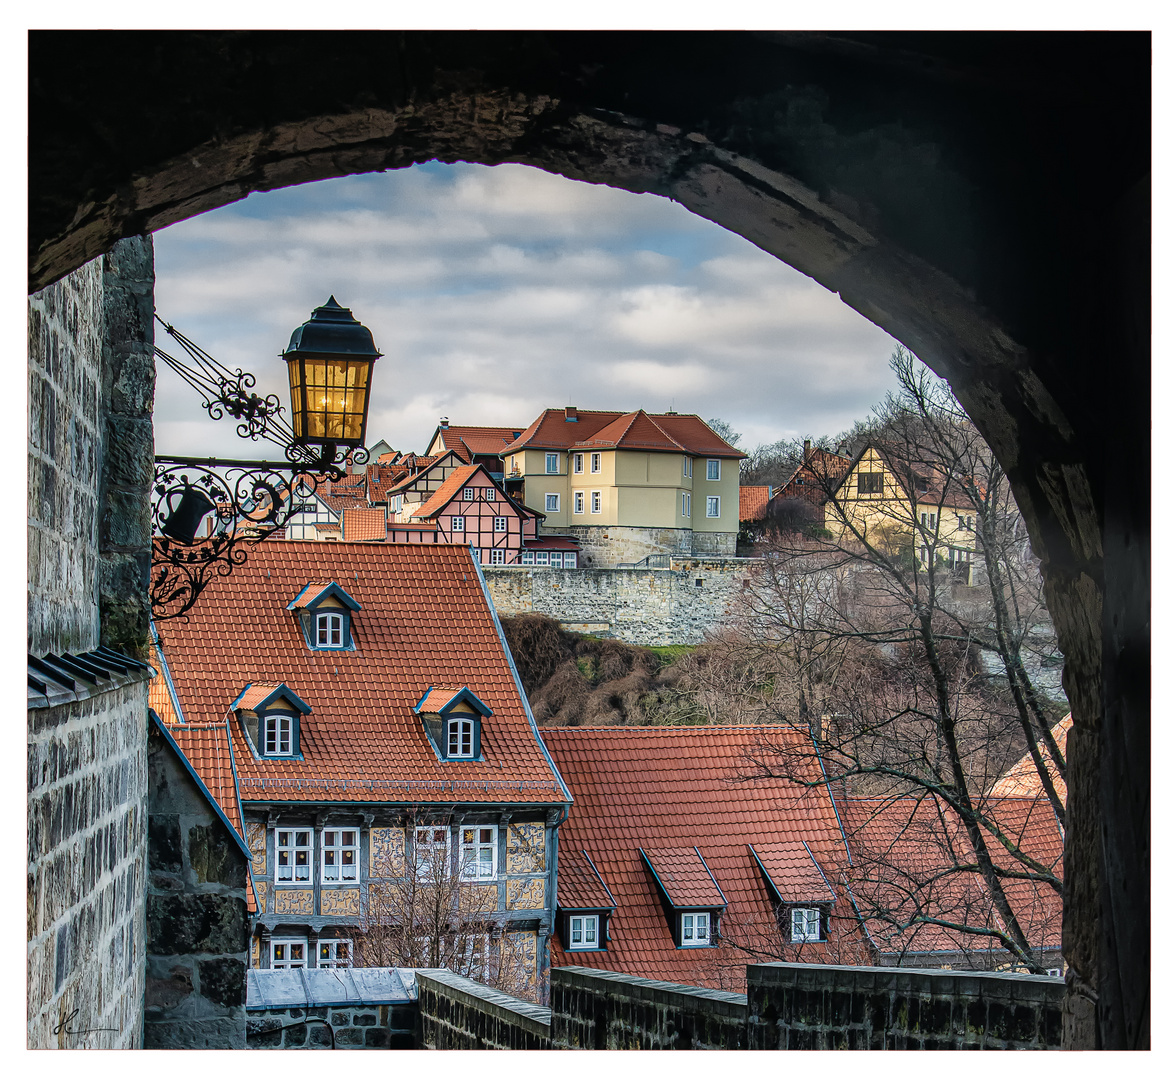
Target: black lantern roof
[{"x": 332, "y": 331}]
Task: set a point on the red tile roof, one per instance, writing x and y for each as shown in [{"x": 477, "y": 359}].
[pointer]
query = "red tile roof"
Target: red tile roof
[
  {"x": 364, "y": 523},
  {"x": 753, "y": 502},
  {"x": 1022, "y": 779},
  {"x": 904, "y": 854},
  {"x": 580, "y": 886},
  {"x": 425, "y": 621},
  {"x": 437, "y": 698},
  {"x": 308, "y": 595},
  {"x": 447, "y": 492},
  {"x": 684, "y": 877},
  {"x": 441, "y": 461},
  {"x": 667, "y": 787},
  {"x": 254, "y": 694},
  {"x": 468, "y": 441},
  {"x": 793, "y": 871},
  {"x": 671, "y": 432},
  {"x": 819, "y": 473}
]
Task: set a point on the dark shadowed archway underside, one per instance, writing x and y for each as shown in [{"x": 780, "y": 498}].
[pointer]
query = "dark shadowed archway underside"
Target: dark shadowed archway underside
[{"x": 979, "y": 196}]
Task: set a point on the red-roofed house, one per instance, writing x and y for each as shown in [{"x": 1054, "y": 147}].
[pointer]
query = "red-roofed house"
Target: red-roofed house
[
  {"x": 376, "y": 726},
  {"x": 628, "y": 485},
  {"x": 475, "y": 445},
  {"x": 1023, "y": 779},
  {"x": 671, "y": 869}
]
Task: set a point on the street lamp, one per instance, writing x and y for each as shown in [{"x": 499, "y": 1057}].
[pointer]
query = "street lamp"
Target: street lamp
[{"x": 329, "y": 361}]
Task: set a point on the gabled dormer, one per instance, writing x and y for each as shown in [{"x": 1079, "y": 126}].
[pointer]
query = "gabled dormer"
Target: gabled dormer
[
  {"x": 453, "y": 718},
  {"x": 323, "y": 610},
  {"x": 798, "y": 887},
  {"x": 690, "y": 896},
  {"x": 271, "y": 716}
]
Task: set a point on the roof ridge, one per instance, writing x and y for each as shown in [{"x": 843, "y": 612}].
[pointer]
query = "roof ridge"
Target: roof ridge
[{"x": 652, "y": 419}]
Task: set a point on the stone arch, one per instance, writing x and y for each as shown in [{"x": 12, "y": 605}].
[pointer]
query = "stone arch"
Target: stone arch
[{"x": 939, "y": 183}]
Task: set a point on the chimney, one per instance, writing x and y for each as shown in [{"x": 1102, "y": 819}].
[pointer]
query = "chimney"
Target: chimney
[
  {"x": 808, "y": 448},
  {"x": 570, "y": 414},
  {"x": 444, "y": 423}
]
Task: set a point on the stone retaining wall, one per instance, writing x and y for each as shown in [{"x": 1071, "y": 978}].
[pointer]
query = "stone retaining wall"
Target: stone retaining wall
[
  {"x": 603, "y": 546},
  {"x": 372, "y": 1027},
  {"x": 677, "y": 606},
  {"x": 460, "y": 1014}
]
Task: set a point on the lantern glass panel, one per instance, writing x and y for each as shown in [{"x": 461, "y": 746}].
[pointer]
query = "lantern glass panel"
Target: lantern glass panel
[{"x": 330, "y": 400}]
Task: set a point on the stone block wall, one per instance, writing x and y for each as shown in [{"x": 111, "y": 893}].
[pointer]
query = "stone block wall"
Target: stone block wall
[
  {"x": 460, "y": 1014},
  {"x": 351, "y": 1027},
  {"x": 825, "y": 1007},
  {"x": 197, "y": 919},
  {"x": 87, "y": 830},
  {"x": 677, "y": 606},
  {"x": 604, "y": 1010},
  {"x": 603, "y": 546}
]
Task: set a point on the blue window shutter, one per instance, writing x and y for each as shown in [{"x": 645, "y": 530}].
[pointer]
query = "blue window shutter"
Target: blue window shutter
[
  {"x": 296, "y": 735},
  {"x": 477, "y": 741}
]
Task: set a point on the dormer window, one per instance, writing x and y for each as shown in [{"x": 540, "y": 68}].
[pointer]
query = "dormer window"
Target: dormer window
[
  {"x": 806, "y": 924},
  {"x": 278, "y": 736},
  {"x": 271, "y": 716},
  {"x": 696, "y": 928},
  {"x": 453, "y": 718},
  {"x": 691, "y": 897},
  {"x": 324, "y": 610}
]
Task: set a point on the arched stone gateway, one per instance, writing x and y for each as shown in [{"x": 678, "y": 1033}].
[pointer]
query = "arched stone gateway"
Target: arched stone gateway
[{"x": 982, "y": 197}]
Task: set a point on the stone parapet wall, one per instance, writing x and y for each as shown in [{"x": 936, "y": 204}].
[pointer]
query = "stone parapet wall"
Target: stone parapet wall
[
  {"x": 460, "y": 1014},
  {"x": 368, "y": 1027},
  {"x": 604, "y": 1010},
  {"x": 826, "y": 1007},
  {"x": 677, "y": 606},
  {"x": 87, "y": 832},
  {"x": 603, "y": 546}
]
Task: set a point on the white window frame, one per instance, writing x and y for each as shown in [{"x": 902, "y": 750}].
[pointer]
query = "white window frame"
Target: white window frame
[
  {"x": 327, "y": 625},
  {"x": 331, "y": 946},
  {"x": 712, "y": 504},
  {"x": 577, "y": 502},
  {"x": 556, "y": 558},
  {"x": 551, "y": 502},
  {"x": 551, "y": 464},
  {"x": 805, "y": 925},
  {"x": 577, "y": 463},
  {"x": 457, "y": 523},
  {"x": 488, "y": 494},
  {"x": 584, "y": 936},
  {"x": 569, "y": 560},
  {"x": 596, "y": 502},
  {"x": 333, "y": 855},
  {"x": 540, "y": 558},
  {"x": 695, "y": 928},
  {"x": 275, "y": 725},
  {"x": 424, "y": 866},
  {"x": 463, "y": 727},
  {"x": 688, "y": 466},
  {"x": 714, "y": 465},
  {"x": 295, "y": 874},
  {"x": 594, "y": 463},
  {"x": 685, "y": 504},
  {"x": 286, "y": 962},
  {"x": 471, "y": 854},
  {"x": 500, "y": 524},
  {"x": 467, "y": 494},
  {"x": 497, "y": 556},
  {"x": 527, "y": 558}
]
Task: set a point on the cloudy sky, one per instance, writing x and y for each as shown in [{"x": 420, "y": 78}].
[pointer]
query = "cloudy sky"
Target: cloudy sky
[{"x": 497, "y": 292}]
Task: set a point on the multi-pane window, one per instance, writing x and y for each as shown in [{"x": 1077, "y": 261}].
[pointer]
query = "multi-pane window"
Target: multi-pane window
[
  {"x": 712, "y": 468},
  {"x": 595, "y": 463},
  {"x": 869, "y": 483},
  {"x": 569, "y": 560},
  {"x": 340, "y": 855},
  {"x": 328, "y": 630},
  {"x": 578, "y": 502},
  {"x": 551, "y": 502},
  {"x": 527, "y": 558},
  {"x": 431, "y": 847},
  {"x": 553, "y": 463},
  {"x": 288, "y": 952},
  {"x": 479, "y": 852},
  {"x": 279, "y": 736},
  {"x": 712, "y": 506},
  {"x": 497, "y": 557},
  {"x": 688, "y": 466},
  {"x": 806, "y": 924},
  {"x": 578, "y": 463},
  {"x": 457, "y": 523},
  {"x": 461, "y": 738},
  {"x": 293, "y": 854},
  {"x": 467, "y": 494},
  {"x": 685, "y": 504},
  {"x": 696, "y": 928},
  {"x": 500, "y": 524},
  {"x": 335, "y": 953},
  {"x": 540, "y": 558},
  {"x": 584, "y": 932},
  {"x": 557, "y": 558},
  {"x": 596, "y": 502}
]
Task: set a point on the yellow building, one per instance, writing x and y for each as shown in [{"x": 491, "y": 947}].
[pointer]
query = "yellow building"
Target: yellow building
[
  {"x": 897, "y": 506},
  {"x": 628, "y": 485}
]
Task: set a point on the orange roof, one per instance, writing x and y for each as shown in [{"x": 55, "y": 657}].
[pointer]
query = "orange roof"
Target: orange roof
[
  {"x": 1022, "y": 779},
  {"x": 904, "y": 854},
  {"x": 664, "y": 788},
  {"x": 563, "y": 429},
  {"x": 753, "y": 502},
  {"x": 793, "y": 871},
  {"x": 467, "y": 441},
  {"x": 424, "y": 621},
  {"x": 447, "y": 492},
  {"x": 580, "y": 886},
  {"x": 254, "y": 694},
  {"x": 438, "y": 697},
  {"x": 309, "y": 594},
  {"x": 365, "y": 523},
  {"x": 684, "y": 877}
]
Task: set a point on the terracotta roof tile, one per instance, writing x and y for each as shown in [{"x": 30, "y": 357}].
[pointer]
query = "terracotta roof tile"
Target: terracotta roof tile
[
  {"x": 793, "y": 871},
  {"x": 438, "y": 697},
  {"x": 424, "y": 621},
  {"x": 467, "y": 441},
  {"x": 753, "y": 502},
  {"x": 363, "y": 523},
  {"x": 447, "y": 492},
  {"x": 684, "y": 877},
  {"x": 580, "y": 886},
  {"x": 1022, "y": 779},
  {"x": 671, "y": 432},
  {"x": 254, "y": 694}
]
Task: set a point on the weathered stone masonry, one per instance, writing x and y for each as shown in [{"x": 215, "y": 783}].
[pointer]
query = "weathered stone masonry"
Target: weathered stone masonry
[{"x": 641, "y": 607}]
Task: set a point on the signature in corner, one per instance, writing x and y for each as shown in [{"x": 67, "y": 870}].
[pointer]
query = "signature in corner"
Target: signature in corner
[{"x": 79, "y": 1031}]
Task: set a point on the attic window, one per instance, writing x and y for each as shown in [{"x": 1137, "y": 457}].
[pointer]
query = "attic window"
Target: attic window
[
  {"x": 329, "y": 630},
  {"x": 278, "y": 735},
  {"x": 453, "y": 722},
  {"x": 869, "y": 483},
  {"x": 806, "y": 924},
  {"x": 696, "y": 928},
  {"x": 461, "y": 738},
  {"x": 324, "y": 610},
  {"x": 584, "y": 932},
  {"x": 271, "y": 715}
]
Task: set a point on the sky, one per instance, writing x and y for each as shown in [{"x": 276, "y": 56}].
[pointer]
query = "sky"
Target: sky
[{"x": 497, "y": 292}]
